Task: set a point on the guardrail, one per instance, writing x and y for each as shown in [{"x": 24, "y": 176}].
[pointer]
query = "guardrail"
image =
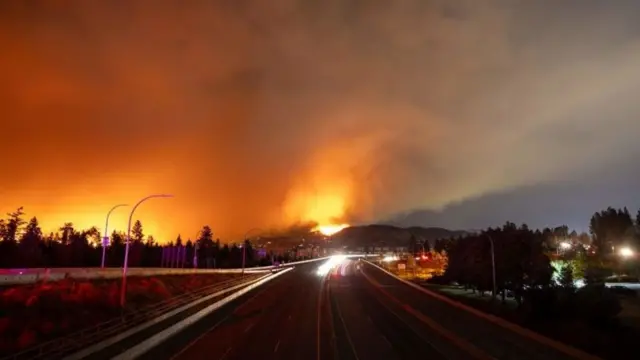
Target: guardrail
[
  {"x": 130, "y": 321},
  {"x": 29, "y": 276}
]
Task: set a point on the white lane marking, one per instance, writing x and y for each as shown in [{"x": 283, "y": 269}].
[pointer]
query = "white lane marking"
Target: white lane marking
[
  {"x": 249, "y": 327},
  {"x": 225, "y": 354},
  {"x": 346, "y": 330},
  {"x": 386, "y": 341}
]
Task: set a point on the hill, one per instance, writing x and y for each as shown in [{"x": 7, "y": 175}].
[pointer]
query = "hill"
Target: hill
[{"x": 390, "y": 235}]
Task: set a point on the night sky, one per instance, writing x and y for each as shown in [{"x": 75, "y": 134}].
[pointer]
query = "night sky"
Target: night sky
[{"x": 267, "y": 113}]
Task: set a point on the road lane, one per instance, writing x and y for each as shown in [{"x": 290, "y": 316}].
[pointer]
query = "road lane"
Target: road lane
[
  {"x": 278, "y": 321},
  {"x": 352, "y": 314},
  {"x": 379, "y": 329},
  {"x": 492, "y": 339}
]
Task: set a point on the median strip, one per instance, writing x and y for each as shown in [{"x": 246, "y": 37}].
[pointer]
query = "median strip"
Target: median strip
[{"x": 162, "y": 336}]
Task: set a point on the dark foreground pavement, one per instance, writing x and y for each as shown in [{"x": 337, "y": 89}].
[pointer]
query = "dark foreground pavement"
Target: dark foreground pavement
[
  {"x": 279, "y": 320},
  {"x": 357, "y": 312},
  {"x": 479, "y": 337}
]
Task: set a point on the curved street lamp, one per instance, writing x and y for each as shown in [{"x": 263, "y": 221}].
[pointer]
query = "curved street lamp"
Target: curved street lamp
[
  {"x": 123, "y": 290},
  {"x": 105, "y": 238}
]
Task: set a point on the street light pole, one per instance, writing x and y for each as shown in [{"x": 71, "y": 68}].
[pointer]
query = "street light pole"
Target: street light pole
[
  {"x": 195, "y": 251},
  {"x": 493, "y": 268},
  {"x": 123, "y": 290},
  {"x": 105, "y": 238}
]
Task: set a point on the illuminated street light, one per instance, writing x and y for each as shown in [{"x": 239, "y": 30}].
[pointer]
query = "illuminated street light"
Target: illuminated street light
[
  {"x": 123, "y": 290},
  {"x": 105, "y": 239},
  {"x": 565, "y": 245},
  {"x": 626, "y": 252}
]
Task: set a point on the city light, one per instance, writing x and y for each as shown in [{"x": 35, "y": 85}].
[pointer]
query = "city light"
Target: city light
[
  {"x": 565, "y": 245},
  {"x": 390, "y": 258},
  {"x": 626, "y": 252}
]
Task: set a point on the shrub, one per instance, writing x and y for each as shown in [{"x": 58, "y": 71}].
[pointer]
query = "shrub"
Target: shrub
[
  {"x": 439, "y": 280},
  {"x": 597, "y": 303},
  {"x": 541, "y": 303},
  {"x": 35, "y": 313}
]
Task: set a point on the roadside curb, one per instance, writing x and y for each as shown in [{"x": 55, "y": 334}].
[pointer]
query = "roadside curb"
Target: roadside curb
[{"x": 566, "y": 349}]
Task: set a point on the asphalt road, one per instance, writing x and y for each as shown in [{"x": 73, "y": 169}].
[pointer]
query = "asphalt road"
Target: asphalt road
[
  {"x": 355, "y": 312},
  {"x": 479, "y": 337},
  {"x": 279, "y": 320}
]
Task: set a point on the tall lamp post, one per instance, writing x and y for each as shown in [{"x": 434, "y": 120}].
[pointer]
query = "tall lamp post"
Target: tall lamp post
[
  {"x": 244, "y": 247},
  {"x": 493, "y": 268},
  {"x": 195, "y": 251},
  {"x": 123, "y": 290},
  {"x": 105, "y": 238}
]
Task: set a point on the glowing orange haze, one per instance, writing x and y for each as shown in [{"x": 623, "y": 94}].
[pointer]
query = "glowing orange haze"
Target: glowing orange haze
[{"x": 110, "y": 108}]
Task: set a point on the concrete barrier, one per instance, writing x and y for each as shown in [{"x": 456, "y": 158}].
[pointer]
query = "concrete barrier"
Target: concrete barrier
[{"x": 33, "y": 275}]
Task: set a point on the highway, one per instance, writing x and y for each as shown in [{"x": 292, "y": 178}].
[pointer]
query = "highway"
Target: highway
[
  {"x": 278, "y": 321},
  {"x": 354, "y": 312}
]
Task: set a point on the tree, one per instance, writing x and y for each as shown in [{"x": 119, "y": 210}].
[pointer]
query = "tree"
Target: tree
[
  {"x": 93, "y": 236},
  {"x": 137, "y": 231},
  {"x": 611, "y": 228},
  {"x": 566, "y": 279},
  {"x": 32, "y": 231},
  {"x": 117, "y": 239},
  {"x": 3, "y": 230},
  {"x": 206, "y": 235},
  {"x": 31, "y": 243},
  {"x": 13, "y": 225},
  {"x": 67, "y": 231},
  {"x": 205, "y": 245}
]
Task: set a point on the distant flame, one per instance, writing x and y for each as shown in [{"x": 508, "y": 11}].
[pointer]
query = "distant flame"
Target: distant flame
[{"x": 328, "y": 230}]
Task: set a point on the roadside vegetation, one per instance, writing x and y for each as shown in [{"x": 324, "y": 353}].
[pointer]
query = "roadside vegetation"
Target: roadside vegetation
[
  {"x": 36, "y": 313},
  {"x": 554, "y": 281}
]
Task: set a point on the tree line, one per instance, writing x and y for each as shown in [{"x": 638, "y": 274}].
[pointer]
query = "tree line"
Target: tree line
[
  {"x": 541, "y": 269},
  {"x": 23, "y": 244}
]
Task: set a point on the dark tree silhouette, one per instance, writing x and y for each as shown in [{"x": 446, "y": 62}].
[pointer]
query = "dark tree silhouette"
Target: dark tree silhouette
[
  {"x": 13, "y": 225},
  {"x": 611, "y": 228},
  {"x": 31, "y": 244},
  {"x": 137, "y": 232}
]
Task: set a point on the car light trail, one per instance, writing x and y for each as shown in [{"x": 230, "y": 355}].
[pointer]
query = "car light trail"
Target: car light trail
[{"x": 327, "y": 266}]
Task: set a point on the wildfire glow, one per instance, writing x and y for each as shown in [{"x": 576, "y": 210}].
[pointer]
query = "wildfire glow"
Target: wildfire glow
[{"x": 328, "y": 230}]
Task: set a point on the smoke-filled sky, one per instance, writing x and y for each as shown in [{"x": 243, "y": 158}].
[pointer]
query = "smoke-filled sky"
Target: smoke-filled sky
[{"x": 266, "y": 113}]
